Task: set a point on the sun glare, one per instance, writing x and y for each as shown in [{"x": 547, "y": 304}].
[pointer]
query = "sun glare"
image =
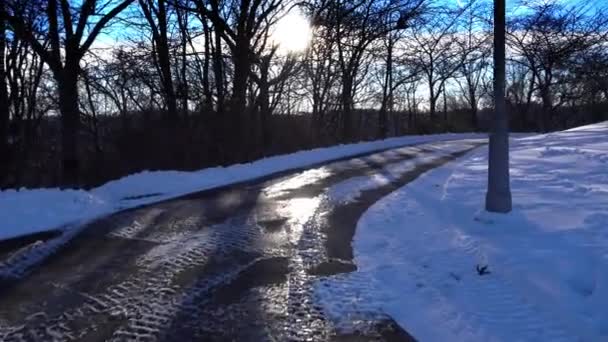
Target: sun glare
[{"x": 292, "y": 33}]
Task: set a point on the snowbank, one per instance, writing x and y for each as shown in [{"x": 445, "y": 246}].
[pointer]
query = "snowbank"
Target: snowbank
[
  {"x": 417, "y": 250},
  {"x": 27, "y": 211}
]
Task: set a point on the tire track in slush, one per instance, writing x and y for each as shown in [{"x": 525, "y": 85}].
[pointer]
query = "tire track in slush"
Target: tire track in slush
[{"x": 159, "y": 271}]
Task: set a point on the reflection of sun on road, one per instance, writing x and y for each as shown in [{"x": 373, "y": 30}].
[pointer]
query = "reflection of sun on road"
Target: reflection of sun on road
[
  {"x": 299, "y": 211},
  {"x": 302, "y": 179}
]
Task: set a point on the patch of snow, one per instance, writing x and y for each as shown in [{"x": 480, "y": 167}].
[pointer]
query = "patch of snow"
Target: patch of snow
[
  {"x": 417, "y": 249},
  {"x": 27, "y": 211}
]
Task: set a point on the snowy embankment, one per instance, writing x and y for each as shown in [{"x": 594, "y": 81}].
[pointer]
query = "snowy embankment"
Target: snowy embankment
[
  {"x": 27, "y": 211},
  {"x": 417, "y": 249}
]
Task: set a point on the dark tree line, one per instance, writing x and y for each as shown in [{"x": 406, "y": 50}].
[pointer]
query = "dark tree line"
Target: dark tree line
[{"x": 95, "y": 89}]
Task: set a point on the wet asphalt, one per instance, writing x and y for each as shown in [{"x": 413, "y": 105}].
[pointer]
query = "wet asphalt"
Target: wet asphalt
[{"x": 233, "y": 264}]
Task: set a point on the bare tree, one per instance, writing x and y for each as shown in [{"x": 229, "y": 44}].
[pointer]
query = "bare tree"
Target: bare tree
[
  {"x": 521, "y": 85},
  {"x": 266, "y": 82},
  {"x": 432, "y": 50},
  {"x": 592, "y": 74},
  {"x": 354, "y": 27},
  {"x": 70, "y": 30},
  {"x": 321, "y": 76},
  {"x": 157, "y": 17},
  {"x": 548, "y": 40},
  {"x": 473, "y": 43},
  {"x": 241, "y": 25},
  {"x": 398, "y": 72}
]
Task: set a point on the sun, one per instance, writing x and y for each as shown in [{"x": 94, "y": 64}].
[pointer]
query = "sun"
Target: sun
[{"x": 292, "y": 33}]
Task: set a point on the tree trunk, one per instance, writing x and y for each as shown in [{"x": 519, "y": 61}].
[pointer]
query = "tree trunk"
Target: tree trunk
[
  {"x": 265, "y": 118},
  {"x": 239, "y": 87},
  {"x": 347, "y": 106},
  {"x": 445, "y": 108},
  {"x": 432, "y": 101},
  {"x": 70, "y": 126},
  {"x": 237, "y": 129},
  {"x": 157, "y": 19},
  {"x": 218, "y": 71},
  {"x": 546, "y": 109},
  {"x": 208, "y": 102},
  {"x": 386, "y": 92},
  {"x": 167, "y": 82},
  {"x": 264, "y": 103},
  {"x": 410, "y": 120},
  {"x": 317, "y": 114},
  {"x": 382, "y": 120},
  {"x": 473, "y": 103},
  {"x": 183, "y": 27}
]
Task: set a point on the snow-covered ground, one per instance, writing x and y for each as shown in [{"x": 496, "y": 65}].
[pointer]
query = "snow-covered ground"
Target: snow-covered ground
[
  {"x": 417, "y": 249},
  {"x": 27, "y": 211}
]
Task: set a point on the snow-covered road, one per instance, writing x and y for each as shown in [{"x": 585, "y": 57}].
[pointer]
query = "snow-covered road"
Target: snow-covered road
[{"x": 237, "y": 263}]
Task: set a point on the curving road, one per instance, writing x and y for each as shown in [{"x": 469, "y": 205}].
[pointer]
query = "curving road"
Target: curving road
[{"x": 234, "y": 264}]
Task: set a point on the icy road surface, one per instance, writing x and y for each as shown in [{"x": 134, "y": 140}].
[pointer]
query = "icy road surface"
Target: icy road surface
[{"x": 237, "y": 263}]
